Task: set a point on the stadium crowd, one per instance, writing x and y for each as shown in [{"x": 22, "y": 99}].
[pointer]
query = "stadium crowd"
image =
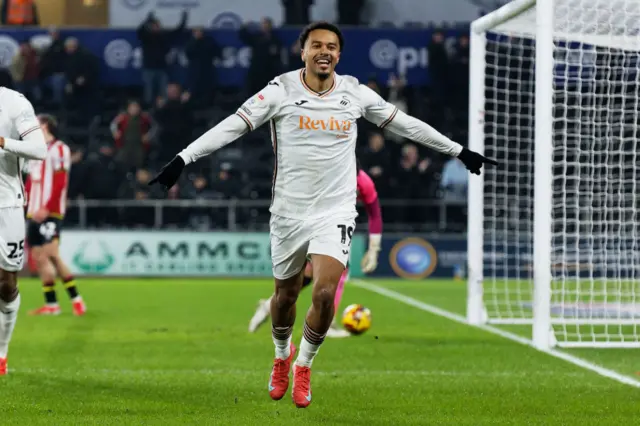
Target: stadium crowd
[{"x": 119, "y": 137}]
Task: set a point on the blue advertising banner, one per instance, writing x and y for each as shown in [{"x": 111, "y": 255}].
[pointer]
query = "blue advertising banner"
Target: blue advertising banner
[
  {"x": 419, "y": 258},
  {"x": 415, "y": 257},
  {"x": 378, "y": 52}
]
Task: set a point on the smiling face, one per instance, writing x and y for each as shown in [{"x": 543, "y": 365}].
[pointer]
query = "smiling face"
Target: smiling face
[{"x": 321, "y": 53}]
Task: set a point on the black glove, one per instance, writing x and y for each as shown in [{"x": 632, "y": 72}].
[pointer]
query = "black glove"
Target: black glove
[
  {"x": 170, "y": 173},
  {"x": 474, "y": 161}
]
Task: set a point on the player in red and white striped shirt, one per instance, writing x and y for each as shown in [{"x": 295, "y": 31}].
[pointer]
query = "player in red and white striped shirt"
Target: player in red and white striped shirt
[{"x": 47, "y": 194}]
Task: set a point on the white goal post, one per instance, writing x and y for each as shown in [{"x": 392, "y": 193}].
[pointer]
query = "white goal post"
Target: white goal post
[{"x": 554, "y": 231}]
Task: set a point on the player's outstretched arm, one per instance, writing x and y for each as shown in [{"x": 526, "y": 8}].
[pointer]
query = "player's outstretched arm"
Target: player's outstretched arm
[
  {"x": 386, "y": 115},
  {"x": 251, "y": 115},
  {"x": 225, "y": 132},
  {"x": 419, "y": 131}
]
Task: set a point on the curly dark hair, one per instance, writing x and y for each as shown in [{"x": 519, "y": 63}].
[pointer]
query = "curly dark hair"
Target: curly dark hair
[{"x": 321, "y": 25}]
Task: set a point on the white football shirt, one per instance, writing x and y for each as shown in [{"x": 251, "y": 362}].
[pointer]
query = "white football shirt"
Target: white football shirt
[
  {"x": 17, "y": 120},
  {"x": 314, "y": 139}
]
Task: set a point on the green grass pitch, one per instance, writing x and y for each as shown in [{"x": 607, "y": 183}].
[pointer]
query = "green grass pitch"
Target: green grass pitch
[{"x": 176, "y": 351}]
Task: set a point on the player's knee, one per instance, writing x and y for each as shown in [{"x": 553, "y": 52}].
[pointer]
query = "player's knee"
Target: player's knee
[
  {"x": 323, "y": 296},
  {"x": 56, "y": 260},
  {"x": 8, "y": 285},
  {"x": 285, "y": 297}
]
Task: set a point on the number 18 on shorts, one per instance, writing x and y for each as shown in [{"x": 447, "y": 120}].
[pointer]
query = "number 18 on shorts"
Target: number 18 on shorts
[{"x": 293, "y": 239}]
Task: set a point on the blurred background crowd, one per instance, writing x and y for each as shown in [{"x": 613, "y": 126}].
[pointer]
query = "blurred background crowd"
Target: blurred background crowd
[{"x": 120, "y": 136}]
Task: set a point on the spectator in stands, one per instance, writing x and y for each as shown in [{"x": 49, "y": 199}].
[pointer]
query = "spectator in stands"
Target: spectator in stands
[
  {"x": 455, "y": 179},
  {"x": 266, "y": 50},
  {"x": 409, "y": 183},
  {"x": 296, "y": 12},
  {"x": 372, "y": 83},
  {"x": 376, "y": 162},
  {"x": 137, "y": 189},
  {"x": 294, "y": 62},
  {"x": 460, "y": 71},
  {"x": 175, "y": 117},
  {"x": 79, "y": 174},
  {"x": 201, "y": 50},
  {"x": 132, "y": 132},
  {"x": 19, "y": 13},
  {"x": 199, "y": 188},
  {"x": 398, "y": 97},
  {"x": 350, "y": 12},
  {"x": 227, "y": 184},
  {"x": 413, "y": 179},
  {"x": 156, "y": 43},
  {"x": 25, "y": 71},
  {"x": 439, "y": 69},
  {"x": 104, "y": 176},
  {"x": 141, "y": 184},
  {"x": 82, "y": 75},
  {"x": 52, "y": 67}
]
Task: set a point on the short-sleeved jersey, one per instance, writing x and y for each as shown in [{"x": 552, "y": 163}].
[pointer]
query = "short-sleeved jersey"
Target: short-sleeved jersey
[
  {"x": 17, "y": 120},
  {"x": 314, "y": 138},
  {"x": 48, "y": 181}
]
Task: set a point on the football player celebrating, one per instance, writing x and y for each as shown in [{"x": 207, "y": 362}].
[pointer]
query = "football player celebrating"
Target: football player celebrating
[{"x": 312, "y": 113}]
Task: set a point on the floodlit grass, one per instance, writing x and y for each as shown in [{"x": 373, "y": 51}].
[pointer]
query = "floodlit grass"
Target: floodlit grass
[{"x": 176, "y": 351}]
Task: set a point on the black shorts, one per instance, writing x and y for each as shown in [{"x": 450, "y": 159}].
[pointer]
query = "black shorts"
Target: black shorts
[{"x": 39, "y": 234}]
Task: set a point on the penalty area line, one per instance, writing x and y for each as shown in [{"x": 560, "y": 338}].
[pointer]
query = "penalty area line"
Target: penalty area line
[{"x": 580, "y": 362}]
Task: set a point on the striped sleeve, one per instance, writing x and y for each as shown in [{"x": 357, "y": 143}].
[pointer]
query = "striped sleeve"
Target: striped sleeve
[
  {"x": 375, "y": 108},
  {"x": 262, "y": 106}
]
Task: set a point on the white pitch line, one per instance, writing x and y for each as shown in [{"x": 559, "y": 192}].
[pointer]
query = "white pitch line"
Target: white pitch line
[{"x": 611, "y": 374}]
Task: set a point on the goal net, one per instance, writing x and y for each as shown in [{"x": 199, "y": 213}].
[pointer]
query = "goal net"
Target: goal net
[{"x": 557, "y": 104}]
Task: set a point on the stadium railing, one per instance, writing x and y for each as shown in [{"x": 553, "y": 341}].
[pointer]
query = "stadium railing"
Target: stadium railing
[{"x": 241, "y": 215}]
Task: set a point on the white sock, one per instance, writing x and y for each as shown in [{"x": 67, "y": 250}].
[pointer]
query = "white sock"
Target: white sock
[
  {"x": 282, "y": 340},
  {"x": 9, "y": 312},
  {"x": 309, "y": 346}
]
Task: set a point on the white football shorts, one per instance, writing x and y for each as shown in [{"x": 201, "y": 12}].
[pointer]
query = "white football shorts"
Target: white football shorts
[
  {"x": 12, "y": 233},
  {"x": 293, "y": 239}
]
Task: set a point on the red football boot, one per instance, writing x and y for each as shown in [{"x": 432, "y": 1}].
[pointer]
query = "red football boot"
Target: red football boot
[
  {"x": 79, "y": 308},
  {"x": 46, "y": 310},
  {"x": 279, "y": 380},
  {"x": 301, "y": 392}
]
